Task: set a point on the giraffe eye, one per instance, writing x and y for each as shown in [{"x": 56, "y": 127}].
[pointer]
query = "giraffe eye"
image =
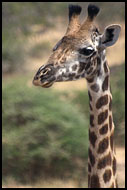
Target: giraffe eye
[{"x": 86, "y": 51}]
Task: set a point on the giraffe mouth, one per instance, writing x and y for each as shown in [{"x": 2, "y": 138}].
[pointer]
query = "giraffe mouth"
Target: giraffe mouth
[
  {"x": 45, "y": 77},
  {"x": 45, "y": 84}
]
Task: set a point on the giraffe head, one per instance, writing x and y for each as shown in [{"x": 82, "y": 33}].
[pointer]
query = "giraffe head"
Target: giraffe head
[{"x": 75, "y": 55}]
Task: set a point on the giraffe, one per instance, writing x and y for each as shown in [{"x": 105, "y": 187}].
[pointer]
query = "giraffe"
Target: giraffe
[{"x": 81, "y": 53}]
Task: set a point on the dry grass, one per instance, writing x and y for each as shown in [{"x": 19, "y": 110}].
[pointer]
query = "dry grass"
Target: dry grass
[
  {"x": 42, "y": 184},
  {"x": 120, "y": 153}
]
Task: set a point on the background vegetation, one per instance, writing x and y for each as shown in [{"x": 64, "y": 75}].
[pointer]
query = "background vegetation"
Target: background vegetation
[
  {"x": 45, "y": 132},
  {"x": 19, "y": 18}
]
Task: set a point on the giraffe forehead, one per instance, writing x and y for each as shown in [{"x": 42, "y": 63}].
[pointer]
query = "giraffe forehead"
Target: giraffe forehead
[
  {"x": 67, "y": 48},
  {"x": 63, "y": 53},
  {"x": 73, "y": 42}
]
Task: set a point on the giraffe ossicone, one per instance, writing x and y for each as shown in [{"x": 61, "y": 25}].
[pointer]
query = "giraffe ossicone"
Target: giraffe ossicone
[{"x": 81, "y": 54}]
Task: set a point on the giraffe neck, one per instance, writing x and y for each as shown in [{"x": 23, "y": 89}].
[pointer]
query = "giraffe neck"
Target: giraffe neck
[{"x": 102, "y": 159}]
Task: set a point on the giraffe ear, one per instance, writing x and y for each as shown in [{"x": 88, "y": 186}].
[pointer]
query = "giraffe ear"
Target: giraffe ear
[{"x": 110, "y": 35}]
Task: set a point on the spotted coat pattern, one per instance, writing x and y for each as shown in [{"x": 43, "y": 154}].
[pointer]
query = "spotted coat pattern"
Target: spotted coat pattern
[
  {"x": 101, "y": 145},
  {"x": 81, "y": 54}
]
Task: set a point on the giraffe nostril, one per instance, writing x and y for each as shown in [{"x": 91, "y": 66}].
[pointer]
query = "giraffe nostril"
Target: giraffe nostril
[{"x": 46, "y": 71}]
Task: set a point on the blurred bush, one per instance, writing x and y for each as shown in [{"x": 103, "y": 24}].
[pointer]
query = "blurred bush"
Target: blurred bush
[
  {"x": 118, "y": 105},
  {"x": 42, "y": 134},
  {"x": 13, "y": 53}
]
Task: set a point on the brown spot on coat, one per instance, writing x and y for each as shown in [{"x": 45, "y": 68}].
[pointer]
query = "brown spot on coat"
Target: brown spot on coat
[
  {"x": 110, "y": 122},
  {"x": 95, "y": 87},
  {"x": 77, "y": 77},
  {"x": 81, "y": 67},
  {"x": 104, "y": 129},
  {"x": 90, "y": 80},
  {"x": 74, "y": 67},
  {"x": 92, "y": 138},
  {"x": 90, "y": 97},
  {"x": 87, "y": 65},
  {"x": 91, "y": 158},
  {"x": 98, "y": 73},
  {"x": 105, "y": 83},
  {"x": 114, "y": 166},
  {"x": 102, "y": 101},
  {"x": 102, "y": 117},
  {"x": 94, "y": 72},
  {"x": 94, "y": 182},
  {"x": 98, "y": 60},
  {"x": 71, "y": 75},
  {"x": 89, "y": 71},
  {"x": 111, "y": 141},
  {"x": 105, "y": 67},
  {"x": 107, "y": 175},
  {"x": 105, "y": 161},
  {"x": 91, "y": 120},
  {"x": 110, "y": 104},
  {"x": 89, "y": 167},
  {"x": 103, "y": 145}
]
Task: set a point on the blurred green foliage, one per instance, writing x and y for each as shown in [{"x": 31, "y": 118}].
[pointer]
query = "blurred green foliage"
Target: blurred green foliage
[
  {"x": 41, "y": 134},
  {"x": 118, "y": 105}
]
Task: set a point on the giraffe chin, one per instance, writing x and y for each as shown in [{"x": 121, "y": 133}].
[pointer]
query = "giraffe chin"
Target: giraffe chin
[
  {"x": 44, "y": 85},
  {"x": 47, "y": 85}
]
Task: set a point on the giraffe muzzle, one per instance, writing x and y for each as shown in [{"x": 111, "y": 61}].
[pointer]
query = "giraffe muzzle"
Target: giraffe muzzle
[{"x": 45, "y": 76}]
